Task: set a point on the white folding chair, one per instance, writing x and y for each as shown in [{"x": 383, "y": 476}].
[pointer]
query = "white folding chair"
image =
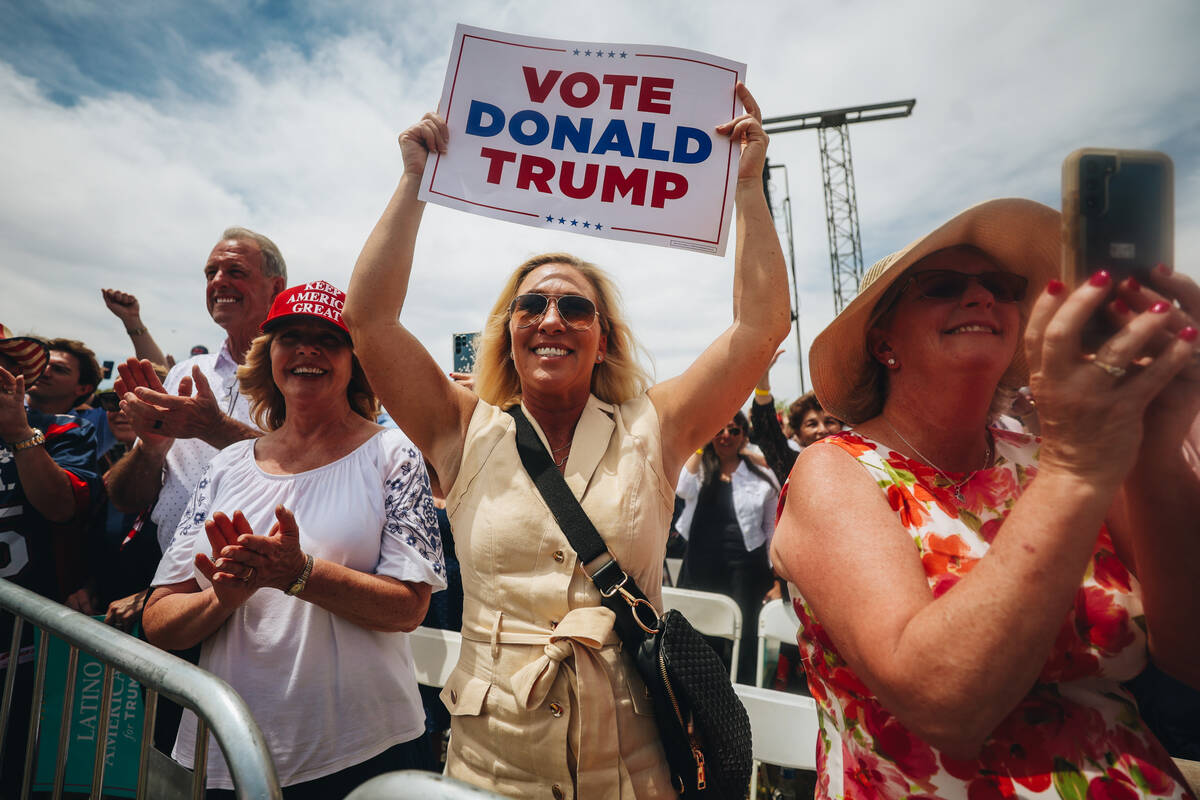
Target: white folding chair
[
  {"x": 674, "y": 565},
  {"x": 435, "y": 652},
  {"x": 784, "y": 728},
  {"x": 777, "y": 622},
  {"x": 710, "y": 613}
]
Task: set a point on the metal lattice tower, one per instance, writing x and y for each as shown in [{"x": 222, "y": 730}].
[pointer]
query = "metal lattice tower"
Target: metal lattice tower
[
  {"x": 837, "y": 172},
  {"x": 841, "y": 213}
]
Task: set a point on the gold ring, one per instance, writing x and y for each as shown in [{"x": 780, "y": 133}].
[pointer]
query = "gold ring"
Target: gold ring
[{"x": 1111, "y": 369}]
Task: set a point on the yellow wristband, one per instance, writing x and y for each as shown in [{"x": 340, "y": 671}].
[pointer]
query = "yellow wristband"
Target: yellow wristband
[{"x": 761, "y": 392}]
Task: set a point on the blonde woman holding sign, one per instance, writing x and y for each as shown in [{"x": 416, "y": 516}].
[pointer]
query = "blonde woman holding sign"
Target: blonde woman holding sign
[{"x": 542, "y": 697}]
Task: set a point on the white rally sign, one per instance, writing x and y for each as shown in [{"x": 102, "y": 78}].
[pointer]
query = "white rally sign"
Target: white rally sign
[{"x": 608, "y": 140}]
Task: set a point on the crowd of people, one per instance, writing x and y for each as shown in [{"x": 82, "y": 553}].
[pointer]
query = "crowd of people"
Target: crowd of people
[{"x": 972, "y": 597}]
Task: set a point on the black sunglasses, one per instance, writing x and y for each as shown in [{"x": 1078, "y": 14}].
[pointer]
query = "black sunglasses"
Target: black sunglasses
[
  {"x": 730, "y": 430},
  {"x": 577, "y": 313},
  {"x": 109, "y": 400},
  {"x": 948, "y": 284}
]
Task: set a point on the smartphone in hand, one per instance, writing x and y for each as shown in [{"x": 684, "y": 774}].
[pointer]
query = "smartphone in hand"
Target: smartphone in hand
[
  {"x": 464, "y": 351},
  {"x": 1118, "y": 215}
]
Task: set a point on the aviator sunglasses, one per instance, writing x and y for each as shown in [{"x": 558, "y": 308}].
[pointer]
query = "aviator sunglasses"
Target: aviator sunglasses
[
  {"x": 577, "y": 313},
  {"x": 948, "y": 284}
]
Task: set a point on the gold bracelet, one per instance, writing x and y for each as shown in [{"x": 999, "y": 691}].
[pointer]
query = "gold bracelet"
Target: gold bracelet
[
  {"x": 298, "y": 586},
  {"x": 761, "y": 392},
  {"x": 137, "y": 331},
  {"x": 37, "y": 440}
]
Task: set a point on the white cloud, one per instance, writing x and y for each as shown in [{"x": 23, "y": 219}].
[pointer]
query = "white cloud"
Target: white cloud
[{"x": 299, "y": 142}]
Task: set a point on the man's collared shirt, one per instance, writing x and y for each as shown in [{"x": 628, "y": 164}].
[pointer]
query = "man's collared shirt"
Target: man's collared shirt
[{"x": 187, "y": 458}]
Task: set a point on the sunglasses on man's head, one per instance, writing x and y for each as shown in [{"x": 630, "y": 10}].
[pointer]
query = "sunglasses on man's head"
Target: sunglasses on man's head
[
  {"x": 109, "y": 401},
  {"x": 948, "y": 284},
  {"x": 577, "y": 313}
]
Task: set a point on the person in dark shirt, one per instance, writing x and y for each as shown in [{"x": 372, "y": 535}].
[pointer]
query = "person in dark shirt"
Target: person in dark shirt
[{"x": 47, "y": 480}]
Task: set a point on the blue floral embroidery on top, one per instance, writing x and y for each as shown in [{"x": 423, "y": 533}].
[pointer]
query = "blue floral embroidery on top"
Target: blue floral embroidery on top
[{"x": 411, "y": 517}]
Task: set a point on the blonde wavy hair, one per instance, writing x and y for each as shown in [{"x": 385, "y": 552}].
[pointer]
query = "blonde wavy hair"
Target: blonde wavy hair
[
  {"x": 268, "y": 409},
  {"x": 616, "y": 379}
]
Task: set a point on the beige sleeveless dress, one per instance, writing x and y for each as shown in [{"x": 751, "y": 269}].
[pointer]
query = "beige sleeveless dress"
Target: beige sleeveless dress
[{"x": 543, "y": 702}]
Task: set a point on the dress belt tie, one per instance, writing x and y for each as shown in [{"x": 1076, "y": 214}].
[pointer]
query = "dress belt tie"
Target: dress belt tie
[{"x": 581, "y": 633}]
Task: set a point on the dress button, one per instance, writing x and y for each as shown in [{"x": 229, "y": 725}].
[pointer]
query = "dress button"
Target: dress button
[
  {"x": 556, "y": 710},
  {"x": 559, "y": 556},
  {"x": 557, "y": 791}
]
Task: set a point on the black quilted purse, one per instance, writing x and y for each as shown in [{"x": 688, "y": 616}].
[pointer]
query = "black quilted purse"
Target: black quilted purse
[{"x": 704, "y": 728}]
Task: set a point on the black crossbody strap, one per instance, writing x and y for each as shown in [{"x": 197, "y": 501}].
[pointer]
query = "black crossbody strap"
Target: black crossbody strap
[{"x": 582, "y": 535}]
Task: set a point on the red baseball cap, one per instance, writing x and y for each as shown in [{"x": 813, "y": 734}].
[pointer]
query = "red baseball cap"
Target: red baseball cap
[{"x": 317, "y": 299}]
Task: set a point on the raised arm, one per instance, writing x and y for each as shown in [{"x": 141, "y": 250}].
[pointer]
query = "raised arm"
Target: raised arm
[
  {"x": 768, "y": 433},
  {"x": 987, "y": 638},
  {"x": 126, "y": 308},
  {"x": 429, "y": 408},
  {"x": 693, "y": 405}
]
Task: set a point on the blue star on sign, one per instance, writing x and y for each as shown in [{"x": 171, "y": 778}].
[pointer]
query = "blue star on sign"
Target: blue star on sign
[
  {"x": 586, "y": 224},
  {"x": 611, "y": 54},
  {"x": 574, "y": 222},
  {"x": 623, "y": 54},
  {"x": 549, "y": 218},
  {"x": 598, "y": 226},
  {"x": 586, "y": 52},
  {"x": 562, "y": 221},
  {"x": 576, "y": 51},
  {"x": 599, "y": 54}
]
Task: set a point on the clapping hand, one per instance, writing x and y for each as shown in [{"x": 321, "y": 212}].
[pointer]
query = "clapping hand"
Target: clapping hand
[
  {"x": 14, "y": 425},
  {"x": 274, "y": 560},
  {"x": 154, "y": 412},
  {"x": 232, "y": 582}
]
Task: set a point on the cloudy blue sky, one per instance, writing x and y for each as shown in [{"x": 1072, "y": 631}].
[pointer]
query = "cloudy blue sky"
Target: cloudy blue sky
[{"x": 134, "y": 132}]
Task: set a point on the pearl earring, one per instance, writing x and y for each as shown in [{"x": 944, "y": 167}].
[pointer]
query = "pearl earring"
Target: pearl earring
[
  {"x": 599, "y": 358},
  {"x": 891, "y": 362}
]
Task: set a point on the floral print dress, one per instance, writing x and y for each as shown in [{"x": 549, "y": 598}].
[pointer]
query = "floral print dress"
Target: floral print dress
[{"x": 1076, "y": 735}]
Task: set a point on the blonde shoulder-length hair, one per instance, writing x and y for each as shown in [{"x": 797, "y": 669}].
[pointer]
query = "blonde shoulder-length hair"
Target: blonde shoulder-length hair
[
  {"x": 268, "y": 409},
  {"x": 618, "y": 378}
]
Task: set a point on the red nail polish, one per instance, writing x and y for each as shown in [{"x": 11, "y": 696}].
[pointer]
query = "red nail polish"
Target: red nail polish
[
  {"x": 1189, "y": 334},
  {"x": 1054, "y": 287},
  {"x": 1160, "y": 307},
  {"x": 1132, "y": 285},
  {"x": 1163, "y": 269},
  {"x": 1101, "y": 278},
  {"x": 1120, "y": 306}
]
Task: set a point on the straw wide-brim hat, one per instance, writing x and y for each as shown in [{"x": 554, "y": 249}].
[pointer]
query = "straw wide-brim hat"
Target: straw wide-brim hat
[
  {"x": 1021, "y": 236},
  {"x": 31, "y": 354}
]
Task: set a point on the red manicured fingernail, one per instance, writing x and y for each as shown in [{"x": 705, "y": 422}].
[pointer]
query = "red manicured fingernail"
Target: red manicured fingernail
[
  {"x": 1189, "y": 334},
  {"x": 1163, "y": 269},
  {"x": 1054, "y": 287},
  {"x": 1120, "y": 306},
  {"x": 1101, "y": 278},
  {"x": 1160, "y": 307},
  {"x": 1132, "y": 285}
]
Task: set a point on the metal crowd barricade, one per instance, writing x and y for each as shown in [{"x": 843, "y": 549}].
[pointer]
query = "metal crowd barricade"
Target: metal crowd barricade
[
  {"x": 213, "y": 700},
  {"x": 411, "y": 783}
]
